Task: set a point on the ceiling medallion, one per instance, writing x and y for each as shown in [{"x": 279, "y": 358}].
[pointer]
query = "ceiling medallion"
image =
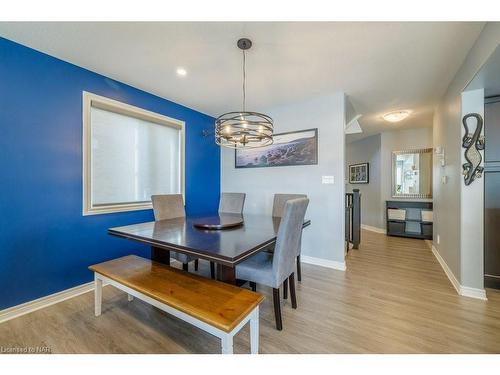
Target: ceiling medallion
[{"x": 244, "y": 129}]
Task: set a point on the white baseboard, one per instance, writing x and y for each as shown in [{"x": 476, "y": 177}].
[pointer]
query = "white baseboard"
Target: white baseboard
[
  {"x": 473, "y": 292},
  {"x": 373, "y": 229},
  {"x": 40, "y": 303},
  {"x": 446, "y": 270},
  {"x": 461, "y": 290},
  {"x": 323, "y": 262}
]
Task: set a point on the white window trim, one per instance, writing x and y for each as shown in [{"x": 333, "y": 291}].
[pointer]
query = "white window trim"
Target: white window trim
[{"x": 93, "y": 100}]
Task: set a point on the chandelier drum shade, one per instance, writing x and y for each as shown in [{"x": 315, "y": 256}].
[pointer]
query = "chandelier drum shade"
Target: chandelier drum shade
[{"x": 244, "y": 129}]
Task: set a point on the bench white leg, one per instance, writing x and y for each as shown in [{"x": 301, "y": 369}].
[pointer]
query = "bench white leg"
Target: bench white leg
[
  {"x": 254, "y": 331},
  {"x": 97, "y": 295},
  {"x": 130, "y": 297},
  {"x": 227, "y": 344}
]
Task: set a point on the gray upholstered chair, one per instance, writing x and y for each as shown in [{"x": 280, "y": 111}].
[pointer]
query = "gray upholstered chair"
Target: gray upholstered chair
[
  {"x": 278, "y": 206},
  {"x": 170, "y": 206},
  {"x": 232, "y": 203},
  {"x": 275, "y": 269},
  {"x": 280, "y": 201}
]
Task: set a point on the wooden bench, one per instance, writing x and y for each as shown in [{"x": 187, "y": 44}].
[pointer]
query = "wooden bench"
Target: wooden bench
[{"x": 217, "y": 308}]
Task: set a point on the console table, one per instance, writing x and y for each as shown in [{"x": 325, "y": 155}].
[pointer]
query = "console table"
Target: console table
[{"x": 409, "y": 219}]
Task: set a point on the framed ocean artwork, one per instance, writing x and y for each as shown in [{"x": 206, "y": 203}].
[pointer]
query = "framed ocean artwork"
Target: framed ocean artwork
[{"x": 292, "y": 148}]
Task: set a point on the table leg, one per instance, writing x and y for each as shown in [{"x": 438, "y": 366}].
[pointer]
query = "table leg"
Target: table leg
[
  {"x": 226, "y": 274},
  {"x": 160, "y": 255}
]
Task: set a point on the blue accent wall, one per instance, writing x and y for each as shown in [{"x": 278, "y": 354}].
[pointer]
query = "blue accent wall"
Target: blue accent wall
[{"x": 46, "y": 244}]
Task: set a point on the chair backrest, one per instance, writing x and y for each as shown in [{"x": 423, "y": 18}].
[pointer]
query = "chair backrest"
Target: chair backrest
[
  {"x": 280, "y": 200},
  {"x": 288, "y": 239},
  {"x": 168, "y": 206},
  {"x": 232, "y": 203}
]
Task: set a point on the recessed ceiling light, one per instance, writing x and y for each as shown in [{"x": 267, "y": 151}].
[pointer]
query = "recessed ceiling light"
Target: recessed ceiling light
[
  {"x": 396, "y": 116},
  {"x": 181, "y": 72}
]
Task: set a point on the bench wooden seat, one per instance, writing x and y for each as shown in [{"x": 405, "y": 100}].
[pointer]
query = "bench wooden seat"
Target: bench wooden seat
[{"x": 218, "y": 308}]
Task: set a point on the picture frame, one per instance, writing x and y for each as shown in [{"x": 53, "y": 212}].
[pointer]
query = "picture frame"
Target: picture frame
[
  {"x": 288, "y": 149},
  {"x": 359, "y": 173}
]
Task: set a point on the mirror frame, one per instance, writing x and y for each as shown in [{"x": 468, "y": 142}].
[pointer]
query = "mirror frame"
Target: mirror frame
[{"x": 393, "y": 187}]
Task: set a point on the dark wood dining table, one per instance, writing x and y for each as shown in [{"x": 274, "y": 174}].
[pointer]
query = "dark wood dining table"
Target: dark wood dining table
[{"x": 225, "y": 247}]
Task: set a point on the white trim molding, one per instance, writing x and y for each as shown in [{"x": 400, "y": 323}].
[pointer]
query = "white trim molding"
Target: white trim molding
[
  {"x": 323, "y": 262},
  {"x": 446, "y": 270},
  {"x": 373, "y": 229},
  {"x": 43, "y": 302},
  {"x": 473, "y": 292},
  {"x": 90, "y": 101},
  {"x": 464, "y": 291},
  {"x": 52, "y": 299},
  {"x": 40, "y": 303}
]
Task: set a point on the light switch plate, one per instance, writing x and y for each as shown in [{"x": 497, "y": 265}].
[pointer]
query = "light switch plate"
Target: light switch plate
[{"x": 327, "y": 180}]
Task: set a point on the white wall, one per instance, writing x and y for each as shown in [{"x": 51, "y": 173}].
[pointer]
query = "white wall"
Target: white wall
[
  {"x": 447, "y": 134},
  {"x": 325, "y": 237},
  {"x": 472, "y": 207},
  {"x": 363, "y": 151}
]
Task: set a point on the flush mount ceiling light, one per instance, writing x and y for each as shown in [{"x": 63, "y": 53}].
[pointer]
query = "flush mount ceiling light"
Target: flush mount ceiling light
[
  {"x": 181, "y": 72},
  {"x": 396, "y": 116},
  {"x": 244, "y": 129}
]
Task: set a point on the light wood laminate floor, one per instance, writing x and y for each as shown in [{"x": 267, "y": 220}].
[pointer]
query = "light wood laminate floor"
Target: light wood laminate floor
[{"x": 393, "y": 298}]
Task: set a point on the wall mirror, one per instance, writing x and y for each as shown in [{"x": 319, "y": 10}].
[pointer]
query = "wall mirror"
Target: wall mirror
[{"x": 412, "y": 173}]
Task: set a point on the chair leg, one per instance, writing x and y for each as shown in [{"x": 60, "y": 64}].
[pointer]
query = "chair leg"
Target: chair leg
[
  {"x": 253, "y": 286},
  {"x": 185, "y": 266},
  {"x": 277, "y": 308},
  {"x": 299, "y": 270},
  {"x": 285, "y": 289},
  {"x": 212, "y": 270},
  {"x": 293, "y": 296},
  {"x": 196, "y": 264}
]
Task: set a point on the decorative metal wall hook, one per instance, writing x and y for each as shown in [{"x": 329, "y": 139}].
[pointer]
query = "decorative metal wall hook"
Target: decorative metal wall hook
[{"x": 472, "y": 142}]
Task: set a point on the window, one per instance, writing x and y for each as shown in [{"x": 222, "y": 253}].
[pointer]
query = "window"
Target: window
[{"x": 129, "y": 155}]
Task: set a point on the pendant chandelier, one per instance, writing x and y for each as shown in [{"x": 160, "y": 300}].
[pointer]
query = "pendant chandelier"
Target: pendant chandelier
[{"x": 244, "y": 129}]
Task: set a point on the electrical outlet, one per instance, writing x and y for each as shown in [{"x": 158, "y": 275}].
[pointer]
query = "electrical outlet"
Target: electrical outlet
[
  {"x": 327, "y": 179},
  {"x": 437, "y": 239}
]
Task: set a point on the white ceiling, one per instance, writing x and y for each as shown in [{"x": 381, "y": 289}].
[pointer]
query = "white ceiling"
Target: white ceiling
[{"x": 381, "y": 66}]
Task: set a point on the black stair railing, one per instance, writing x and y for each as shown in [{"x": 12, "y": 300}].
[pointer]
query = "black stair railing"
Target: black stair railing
[{"x": 353, "y": 219}]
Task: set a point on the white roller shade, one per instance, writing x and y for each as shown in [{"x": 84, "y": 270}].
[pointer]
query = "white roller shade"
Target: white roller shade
[{"x": 132, "y": 159}]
